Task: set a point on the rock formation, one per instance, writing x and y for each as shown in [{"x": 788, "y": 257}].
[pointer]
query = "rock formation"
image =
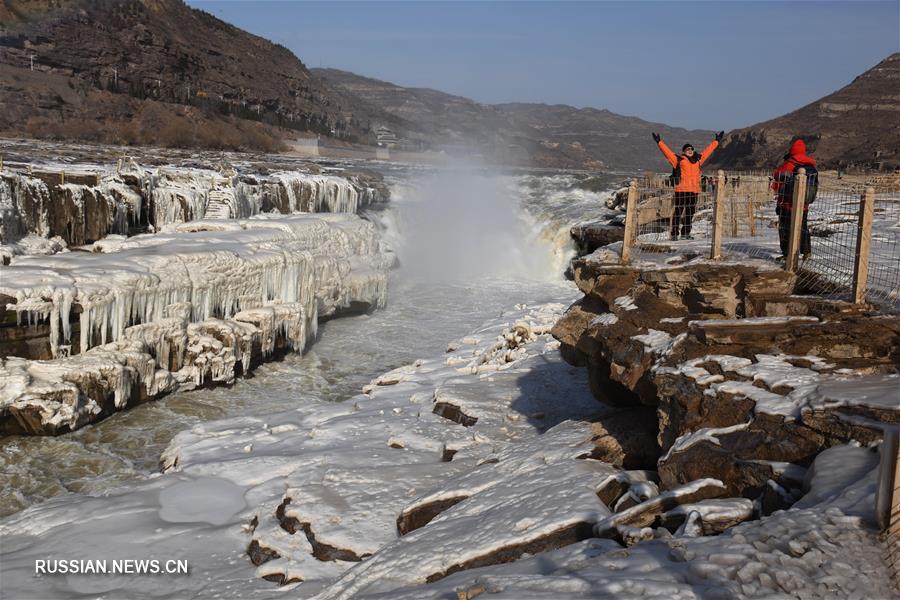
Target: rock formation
[
  {"x": 173, "y": 311},
  {"x": 86, "y": 205},
  {"x": 750, "y": 382}
]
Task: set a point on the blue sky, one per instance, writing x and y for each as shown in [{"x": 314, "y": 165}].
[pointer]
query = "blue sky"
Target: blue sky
[{"x": 712, "y": 65}]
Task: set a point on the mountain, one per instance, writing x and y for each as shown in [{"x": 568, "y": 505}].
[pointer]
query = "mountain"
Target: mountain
[
  {"x": 856, "y": 126},
  {"x": 556, "y": 136},
  {"x": 140, "y": 70},
  {"x": 618, "y": 140}
]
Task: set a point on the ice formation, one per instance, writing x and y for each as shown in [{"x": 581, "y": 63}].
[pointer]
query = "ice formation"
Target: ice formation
[
  {"x": 105, "y": 202},
  {"x": 383, "y": 493},
  {"x": 195, "y": 300}
]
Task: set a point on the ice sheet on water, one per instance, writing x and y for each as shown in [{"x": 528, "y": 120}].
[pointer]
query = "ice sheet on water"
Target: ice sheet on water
[
  {"x": 339, "y": 454},
  {"x": 815, "y": 549},
  {"x": 205, "y": 500}
]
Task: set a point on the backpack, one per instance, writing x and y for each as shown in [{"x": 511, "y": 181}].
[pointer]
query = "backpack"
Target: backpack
[
  {"x": 675, "y": 177},
  {"x": 812, "y": 184}
]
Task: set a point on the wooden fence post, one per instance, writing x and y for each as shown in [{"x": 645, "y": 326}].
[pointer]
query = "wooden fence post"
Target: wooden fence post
[
  {"x": 751, "y": 214},
  {"x": 798, "y": 203},
  {"x": 734, "y": 218},
  {"x": 718, "y": 217},
  {"x": 887, "y": 498},
  {"x": 887, "y": 492},
  {"x": 630, "y": 221},
  {"x": 863, "y": 241}
]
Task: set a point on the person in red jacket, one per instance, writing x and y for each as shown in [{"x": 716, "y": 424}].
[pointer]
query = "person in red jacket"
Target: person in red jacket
[
  {"x": 687, "y": 182},
  {"x": 782, "y": 183}
]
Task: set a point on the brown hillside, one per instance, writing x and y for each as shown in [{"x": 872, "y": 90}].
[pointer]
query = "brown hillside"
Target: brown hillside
[
  {"x": 856, "y": 126},
  {"x": 556, "y": 136},
  {"x": 112, "y": 59}
]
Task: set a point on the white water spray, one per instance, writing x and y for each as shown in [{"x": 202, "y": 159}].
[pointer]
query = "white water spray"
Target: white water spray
[{"x": 462, "y": 225}]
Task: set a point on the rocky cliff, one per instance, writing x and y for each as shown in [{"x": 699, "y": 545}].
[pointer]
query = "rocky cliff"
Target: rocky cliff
[
  {"x": 749, "y": 381},
  {"x": 858, "y": 125},
  {"x": 152, "y": 71}
]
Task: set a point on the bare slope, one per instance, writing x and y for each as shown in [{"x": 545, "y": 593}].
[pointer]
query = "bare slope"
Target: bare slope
[
  {"x": 99, "y": 66},
  {"x": 858, "y": 125}
]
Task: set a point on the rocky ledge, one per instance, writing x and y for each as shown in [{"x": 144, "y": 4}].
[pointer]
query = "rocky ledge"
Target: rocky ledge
[
  {"x": 749, "y": 381},
  {"x": 76, "y": 204},
  {"x": 89, "y": 333}
]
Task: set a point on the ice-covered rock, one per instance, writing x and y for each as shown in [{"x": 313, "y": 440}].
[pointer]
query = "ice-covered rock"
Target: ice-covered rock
[
  {"x": 199, "y": 300},
  {"x": 219, "y": 269},
  {"x": 84, "y": 206},
  {"x": 821, "y": 548},
  {"x": 750, "y": 382}
]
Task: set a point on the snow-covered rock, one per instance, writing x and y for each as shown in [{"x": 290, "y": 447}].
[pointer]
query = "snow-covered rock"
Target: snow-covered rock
[{"x": 196, "y": 302}]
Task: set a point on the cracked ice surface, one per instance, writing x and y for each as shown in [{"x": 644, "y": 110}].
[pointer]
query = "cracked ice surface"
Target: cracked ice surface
[{"x": 821, "y": 548}]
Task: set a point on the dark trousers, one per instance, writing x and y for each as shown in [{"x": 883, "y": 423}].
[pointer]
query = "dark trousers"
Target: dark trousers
[
  {"x": 784, "y": 232},
  {"x": 685, "y": 204}
]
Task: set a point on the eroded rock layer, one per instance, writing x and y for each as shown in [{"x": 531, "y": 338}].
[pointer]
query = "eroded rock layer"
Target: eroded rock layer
[
  {"x": 85, "y": 203},
  {"x": 749, "y": 381}
]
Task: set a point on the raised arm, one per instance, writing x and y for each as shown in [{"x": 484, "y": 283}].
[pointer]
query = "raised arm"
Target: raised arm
[
  {"x": 708, "y": 151},
  {"x": 712, "y": 146},
  {"x": 670, "y": 156}
]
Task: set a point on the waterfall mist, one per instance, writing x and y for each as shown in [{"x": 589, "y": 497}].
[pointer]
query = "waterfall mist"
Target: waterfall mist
[{"x": 460, "y": 224}]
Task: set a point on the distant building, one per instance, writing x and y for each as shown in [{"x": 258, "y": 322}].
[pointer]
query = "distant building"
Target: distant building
[{"x": 385, "y": 137}]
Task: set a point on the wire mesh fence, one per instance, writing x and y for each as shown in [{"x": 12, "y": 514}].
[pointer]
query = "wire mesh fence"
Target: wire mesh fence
[
  {"x": 831, "y": 249},
  {"x": 883, "y": 282},
  {"x": 664, "y": 214}
]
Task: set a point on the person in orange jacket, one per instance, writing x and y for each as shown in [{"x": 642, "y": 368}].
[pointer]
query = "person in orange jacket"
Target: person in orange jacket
[{"x": 687, "y": 182}]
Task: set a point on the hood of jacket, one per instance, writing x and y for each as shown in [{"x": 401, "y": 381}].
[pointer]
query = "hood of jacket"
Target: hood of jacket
[{"x": 797, "y": 153}]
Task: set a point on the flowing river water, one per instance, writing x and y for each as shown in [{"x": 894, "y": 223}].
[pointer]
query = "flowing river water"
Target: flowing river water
[{"x": 469, "y": 246}]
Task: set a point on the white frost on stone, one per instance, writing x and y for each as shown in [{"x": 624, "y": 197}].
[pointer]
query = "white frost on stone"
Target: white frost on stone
[
  {"x": 708, "y": 434},
  {"x": 605, "y": 320},
  {"x": 217, "y": 270},
  {"x": 625, "y": 303},
  {"x": 656, "y": 341}
]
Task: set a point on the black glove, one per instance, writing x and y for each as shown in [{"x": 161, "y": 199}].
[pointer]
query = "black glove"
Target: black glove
[
  {"x": 720, "y": 136},
  {"x": 656, "y": 138}
]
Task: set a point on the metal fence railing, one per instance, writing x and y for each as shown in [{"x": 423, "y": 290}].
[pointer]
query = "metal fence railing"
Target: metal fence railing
[{"x": 849, "y": 247}]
